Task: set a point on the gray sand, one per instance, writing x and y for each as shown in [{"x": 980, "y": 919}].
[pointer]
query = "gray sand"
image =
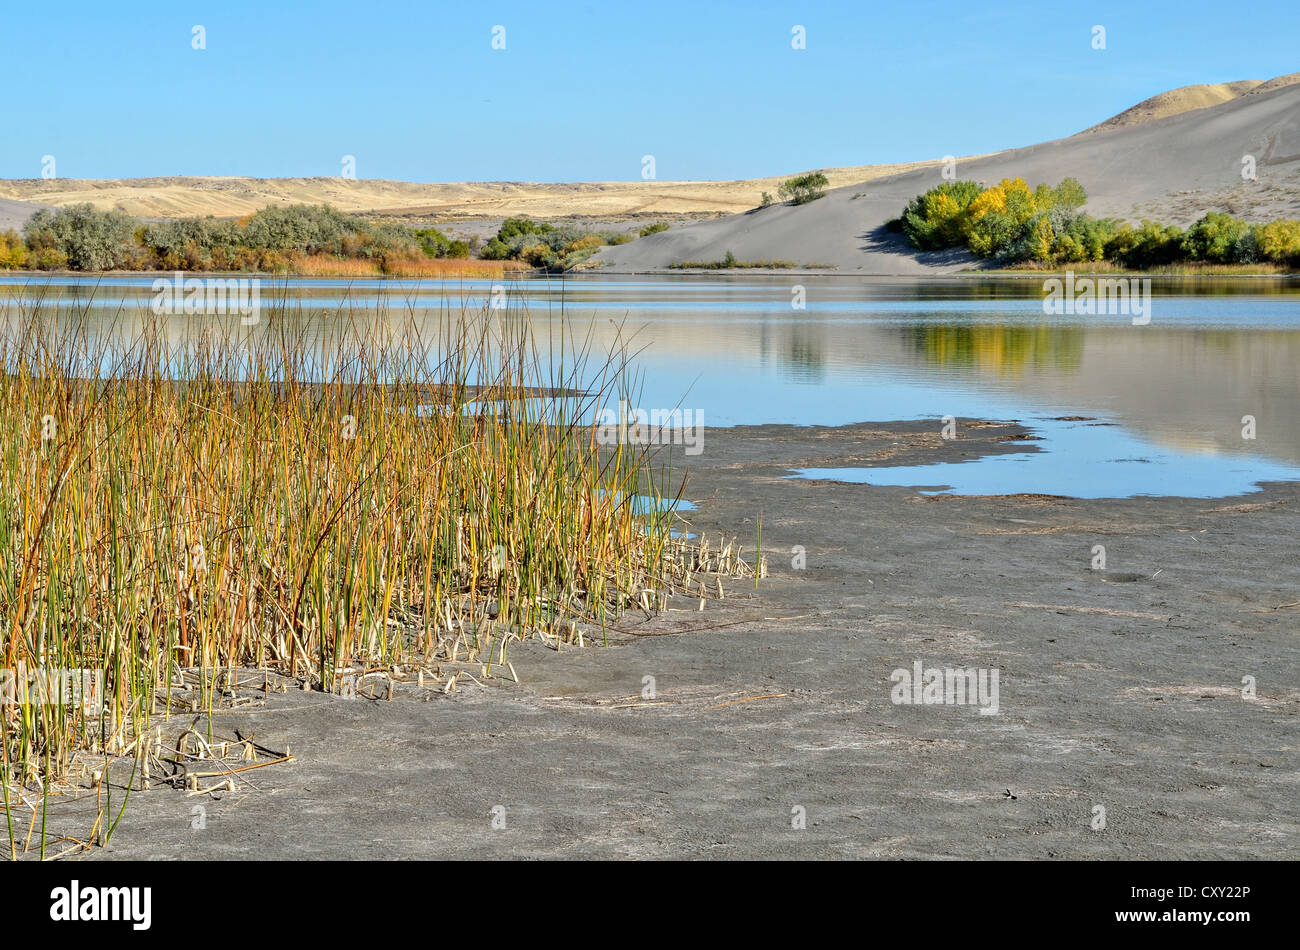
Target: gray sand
[
  {"x": 1119, "y": 688},
  {"x": 14, "y": 214}
]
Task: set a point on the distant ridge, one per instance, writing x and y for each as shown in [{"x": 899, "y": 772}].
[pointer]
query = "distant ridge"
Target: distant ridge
[{"x": 1189, "y": 98}]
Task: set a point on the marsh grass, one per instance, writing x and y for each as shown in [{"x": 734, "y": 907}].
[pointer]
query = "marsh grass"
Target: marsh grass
[
  {"x": 328, "y": 265},
  {"x": 1181, "y": 269},
  {"x": 307, "y": 497}
]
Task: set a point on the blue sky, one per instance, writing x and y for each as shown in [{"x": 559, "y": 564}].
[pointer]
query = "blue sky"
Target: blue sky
[{"x": 582, "y": 91}]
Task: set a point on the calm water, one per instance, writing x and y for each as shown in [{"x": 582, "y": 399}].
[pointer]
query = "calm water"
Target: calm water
[{"x": 1165, "y": 402}]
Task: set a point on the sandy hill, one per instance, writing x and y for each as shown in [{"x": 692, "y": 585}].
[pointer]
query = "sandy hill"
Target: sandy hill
[
  {"x": 1173, "y": 169},
  {"x": 1177, "y": 101},
  {"x": 13, "y": 214},
  {"x": 1189, "y": 98},
  {"x": 1290, "y": 79}
]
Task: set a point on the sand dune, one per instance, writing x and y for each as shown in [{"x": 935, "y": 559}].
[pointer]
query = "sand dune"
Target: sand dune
[
  {"x": 1174, "y": 169},
  {"x": 1177, "y": 101},
  {"x": 1290, "y": 79},
  {"x": 14, "y": 214},
  {"x": 1190, "y": 98}
]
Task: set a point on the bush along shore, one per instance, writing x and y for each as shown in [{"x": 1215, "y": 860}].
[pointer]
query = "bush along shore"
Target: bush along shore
[
  {"x": 311, "y": 500},
  {"x": 1012, "y": 225},
  {"x": 306, "y": 240}
]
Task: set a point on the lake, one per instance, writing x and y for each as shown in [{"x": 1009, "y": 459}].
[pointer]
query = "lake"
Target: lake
[{"x": 1202, "y": 401}]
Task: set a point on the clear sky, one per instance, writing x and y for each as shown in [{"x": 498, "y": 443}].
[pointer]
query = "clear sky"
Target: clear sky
[{"x": 415, "y": 90}]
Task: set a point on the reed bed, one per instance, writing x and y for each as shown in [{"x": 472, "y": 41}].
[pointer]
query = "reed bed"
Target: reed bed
[
  {"x": 327, "y": 265},
  {"x": 447, "y": 267},
  {"x": 310, "y": 497}
]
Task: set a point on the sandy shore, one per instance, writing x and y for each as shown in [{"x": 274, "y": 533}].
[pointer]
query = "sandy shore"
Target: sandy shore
[{"x": 1120, "y": 688}]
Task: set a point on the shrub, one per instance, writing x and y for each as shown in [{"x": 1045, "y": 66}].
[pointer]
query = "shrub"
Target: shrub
[
  {"x": 305, "y": 228},
  {"x": 1150, "y": 245},
  {"x": 765, "y": 200},
  {"x": 189, "y": 243},
  {"x": 539, "y": 254},
  {"x": 655, "y": 228},
  {"x": 1279, "y": 242},
  {"x": 938, "y": 218},
  {"x": 85, "y": 239},
  {"x": 436, "y": 244},
  {"x": 13, "y": 252},
  {"x": 496, "y": 250},
  {"x": 997, "y": 216},
  {"x": 517, "y": 227},
  {"x": 1069, "y": 194},
  {"x": 47, "y": 258},
  {"x": 804, "y": 188},
  {"x": 1215, "y": 237}
]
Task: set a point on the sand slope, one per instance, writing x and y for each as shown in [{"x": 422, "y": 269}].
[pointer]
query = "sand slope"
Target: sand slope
[
  {"x": 1173, "y": 169},
  {"x": 14, "y": 214}
]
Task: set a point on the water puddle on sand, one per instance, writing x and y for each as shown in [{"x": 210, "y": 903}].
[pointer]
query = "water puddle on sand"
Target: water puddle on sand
[{"x": 1078, "y": 459}]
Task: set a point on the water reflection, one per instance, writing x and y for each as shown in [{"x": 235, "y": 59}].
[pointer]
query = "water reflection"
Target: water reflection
[{"x": 733, "y": 348}]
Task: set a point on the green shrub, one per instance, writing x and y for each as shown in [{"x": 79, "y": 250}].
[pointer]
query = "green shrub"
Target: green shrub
[
  {"x": 436, "y": 244},
  {"x": 519, "y": 227},
  {"x": 804, "y": 188},
  {"x": 189, "y": 243},
  {"x": 655, "y": 228},
  {"x": 82, "y": 238},
  {"x": 938, "y": 218},
  {"x": 1215, "y": 237}
]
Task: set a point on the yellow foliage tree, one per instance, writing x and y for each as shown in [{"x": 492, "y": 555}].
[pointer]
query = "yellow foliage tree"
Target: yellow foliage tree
[
  {"x": 1279, "y": 241},
  {"x": 13, "y": 252}
]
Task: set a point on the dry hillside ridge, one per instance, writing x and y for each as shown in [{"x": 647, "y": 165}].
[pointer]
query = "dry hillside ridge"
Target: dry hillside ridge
[
  {"x": 236, "y": 197},
  {"x": 1189, "y": 98}
]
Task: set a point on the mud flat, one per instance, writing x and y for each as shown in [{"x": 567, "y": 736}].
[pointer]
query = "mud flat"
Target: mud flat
[{"x": 1120, "y": 688}]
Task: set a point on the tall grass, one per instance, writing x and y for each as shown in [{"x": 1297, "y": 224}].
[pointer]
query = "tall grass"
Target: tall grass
[
  {"x": 300, "y": 496},
  {"x": 328, "y": 265}
]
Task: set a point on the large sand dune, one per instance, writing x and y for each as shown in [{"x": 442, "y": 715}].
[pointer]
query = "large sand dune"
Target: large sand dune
[{"x": 1173, "y": 169}]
